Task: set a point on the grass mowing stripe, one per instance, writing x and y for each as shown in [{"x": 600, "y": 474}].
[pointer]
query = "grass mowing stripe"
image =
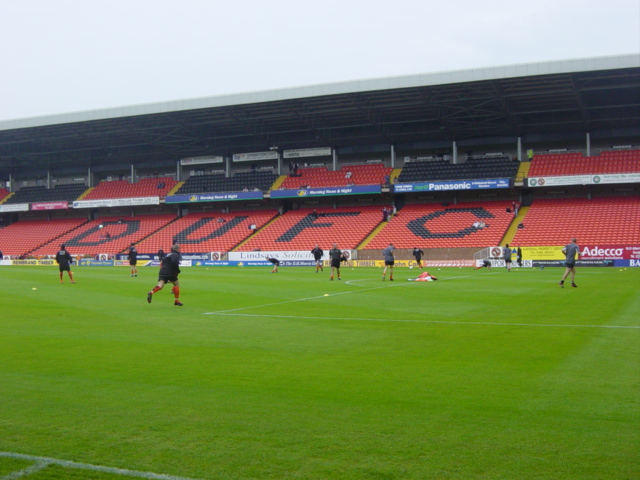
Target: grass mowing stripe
[
  {"x": 424, "y": 321},
  {"x": 42, "y": 462}
]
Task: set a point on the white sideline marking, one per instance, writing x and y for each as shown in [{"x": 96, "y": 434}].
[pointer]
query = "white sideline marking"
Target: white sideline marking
[
  {"x": 388, "y": 285},
  {"x": 42, "y": 462},
  {"x": 452, "y": 322}
]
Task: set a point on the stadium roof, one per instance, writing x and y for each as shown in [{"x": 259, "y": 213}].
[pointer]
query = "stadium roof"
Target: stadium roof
[{"x": 600, "y": 96}]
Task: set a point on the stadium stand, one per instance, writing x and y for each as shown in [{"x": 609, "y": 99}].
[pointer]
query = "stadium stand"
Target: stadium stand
[
  {"x": 24, "y": 236},
  {"x": 148, "y": 187},
  {"x": 370, "y": 174},
  {"x": 301, "y": 229},
  {"x": 116, "y": 236},
  {"x": 472, "y": 169},
  {"x": 553, "y": 165},
  {"x": 68, "y": 192},
  {"x": 260, "y": 179},
  {"x": 438, "y": 226},
  {"x": 204, "y": 232},
  {"x": 608, "y": 220}
]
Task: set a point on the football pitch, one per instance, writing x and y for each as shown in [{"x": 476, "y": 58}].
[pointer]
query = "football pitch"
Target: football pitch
[{"x": 479, "y": 375}]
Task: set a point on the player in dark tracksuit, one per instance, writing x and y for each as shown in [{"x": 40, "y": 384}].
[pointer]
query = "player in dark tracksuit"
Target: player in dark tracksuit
[
  {"x": 64, "y": 261},
  {"x": 276, "y": 263},
  {"x": 417, "y": 253},
  {"x": 335, "y": 254},
  {"x": 169, "y": 272},
  {"x": 317, "y": 255}
]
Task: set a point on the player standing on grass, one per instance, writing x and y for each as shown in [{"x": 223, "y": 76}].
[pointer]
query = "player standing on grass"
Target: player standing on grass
[
  {"x": 169, "y": 272},
  {"x": 317, "y": 255},
  {"x": 64, "y": 260},
  {"x": 417, "y": 253},
  {"x": 506, "y": 252},
  {"x": 388, "y": 261},
  {"x": 335, "y": 255},
  {"x": 570, "y": 251},
  {"x": 133, "y": 260}
]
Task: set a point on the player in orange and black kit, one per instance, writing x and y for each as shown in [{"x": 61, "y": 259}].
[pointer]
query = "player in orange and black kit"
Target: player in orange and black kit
[
  {"x": 133, "y": 260},
  {"x": 317, "y": 255},
  {"x": 169, "y": 272},
  {"x": 64, "y": 260}
]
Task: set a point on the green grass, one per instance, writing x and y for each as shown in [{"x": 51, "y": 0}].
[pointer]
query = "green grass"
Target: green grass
[{"x": 482, "y": 375}]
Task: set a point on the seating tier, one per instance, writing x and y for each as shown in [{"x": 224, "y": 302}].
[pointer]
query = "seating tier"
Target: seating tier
[
  {"x": 116, "y": 236},
  {"x": 204, "y": 232},
  {"x": 301, "y": 230},
  {"x": 600, "y": 221},
  {"x": 148, "y": 187},
  {"x": 554, "y": 165},
  {"x": 24, "y": 236},
  {"x": 438, "y": 226},
  {"x": 372, "y": 174}
]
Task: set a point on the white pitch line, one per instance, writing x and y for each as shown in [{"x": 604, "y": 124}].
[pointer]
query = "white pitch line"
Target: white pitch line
[
  {"x": 389, "y": 285},
  {"x": 42, "y": 462},
  {"x": 27, "y": 471},
  {"x": 452, "y": 322}
]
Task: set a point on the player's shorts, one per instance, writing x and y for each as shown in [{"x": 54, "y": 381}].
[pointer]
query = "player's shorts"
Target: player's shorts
[
  {"x": 570, "y": 264},
  {"x": 318, "y": 259},
  {"x": 65, "y": 269},
  {"x": 168, "y": 278},
  {"x": 507, "y": 260},
  {"x": 133, "y": 263},
  {"x": 276, "y": 263},
  {"x": 389, "y": 263},
  {"x": 418, "y": 259},
  {"x": 335, "y": 263}
]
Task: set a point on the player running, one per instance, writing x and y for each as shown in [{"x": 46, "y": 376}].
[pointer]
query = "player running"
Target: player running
[
  {"x": 169, "y": 272},
  {"x": 64, "y": 260},
  {"x": 317, "y": 255}
]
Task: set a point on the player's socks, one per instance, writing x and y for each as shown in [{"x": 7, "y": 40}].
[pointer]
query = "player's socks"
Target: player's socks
[
  {"x": 390, "y": 278},
  {"x": 331, "y": 277},
  {"x": 155, "y": 289}
]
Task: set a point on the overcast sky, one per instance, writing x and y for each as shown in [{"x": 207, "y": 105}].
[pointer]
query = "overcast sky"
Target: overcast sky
[{"x": 73, "y": 55}]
